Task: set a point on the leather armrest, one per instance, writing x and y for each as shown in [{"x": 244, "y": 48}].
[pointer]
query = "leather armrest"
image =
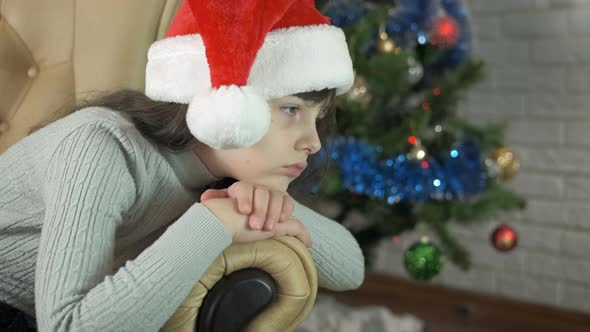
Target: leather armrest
[{"x": 286, "y": 260}]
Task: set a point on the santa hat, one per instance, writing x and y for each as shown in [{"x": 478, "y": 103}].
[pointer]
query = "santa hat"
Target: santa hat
[{"x": 226, "y": 58}]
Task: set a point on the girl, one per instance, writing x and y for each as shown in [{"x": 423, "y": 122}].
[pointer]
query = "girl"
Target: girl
[{"x": 100, "y": 223}]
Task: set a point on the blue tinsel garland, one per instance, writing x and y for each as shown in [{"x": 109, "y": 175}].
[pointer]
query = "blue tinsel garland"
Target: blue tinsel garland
[{"x": 364, "y": 171}]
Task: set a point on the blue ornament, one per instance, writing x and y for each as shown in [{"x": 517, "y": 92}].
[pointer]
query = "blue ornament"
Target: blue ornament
[{"x": 464, "y": 171}]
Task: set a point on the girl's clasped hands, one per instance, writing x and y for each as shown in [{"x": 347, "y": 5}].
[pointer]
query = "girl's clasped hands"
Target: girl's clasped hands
[{"x": 268, "y": 210}]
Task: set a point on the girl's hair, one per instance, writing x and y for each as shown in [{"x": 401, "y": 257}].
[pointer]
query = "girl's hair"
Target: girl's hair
[{"x": 164, "y": 123}]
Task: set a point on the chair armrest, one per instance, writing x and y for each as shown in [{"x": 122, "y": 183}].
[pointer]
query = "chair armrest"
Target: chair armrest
[
  {"x": 236, "y": 300},
  {"x": 286, "y": 260}
]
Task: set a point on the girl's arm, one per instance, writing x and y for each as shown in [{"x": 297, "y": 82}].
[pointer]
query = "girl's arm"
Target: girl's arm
[
  {"x": 88, "y": 191},
  {"x": 339, "y": 259}
]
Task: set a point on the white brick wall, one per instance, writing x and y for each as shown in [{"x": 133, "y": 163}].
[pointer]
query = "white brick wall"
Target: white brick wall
[{"x": 538, "y": 59}]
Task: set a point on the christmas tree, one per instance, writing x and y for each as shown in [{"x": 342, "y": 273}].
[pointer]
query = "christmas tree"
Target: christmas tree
[{"x": 402, "y": 155}]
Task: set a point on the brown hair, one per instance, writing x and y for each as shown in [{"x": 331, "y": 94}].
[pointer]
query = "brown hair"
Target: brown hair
[{"x": 164, "y": 123}]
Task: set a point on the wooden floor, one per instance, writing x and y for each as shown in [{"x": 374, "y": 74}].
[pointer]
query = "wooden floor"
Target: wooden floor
[{"x": 450, "y": 310}]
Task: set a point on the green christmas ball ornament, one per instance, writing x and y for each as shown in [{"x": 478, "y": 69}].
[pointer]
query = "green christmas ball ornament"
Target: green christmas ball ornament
[{"x": 423, "y": 260}]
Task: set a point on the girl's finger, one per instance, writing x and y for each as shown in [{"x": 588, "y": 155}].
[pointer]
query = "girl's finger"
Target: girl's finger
[
  {"x": 294, "y": 227},
  {"x": 213, "y": 193},
  {"x": 303, "y": 234},
  {"x": 244, "y": 193},
  {"x": 309, "y": 242},
  {"x": 287, "y": 210},
  {"x": 305, "y": 239},
  {"x": 252, "y": 235},
  {"x": 275, "y": 207},
  {"x": 260, "y": 204}
]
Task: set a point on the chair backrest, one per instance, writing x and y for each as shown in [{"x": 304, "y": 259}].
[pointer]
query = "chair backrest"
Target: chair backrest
[{"x": 56, "y": 53}]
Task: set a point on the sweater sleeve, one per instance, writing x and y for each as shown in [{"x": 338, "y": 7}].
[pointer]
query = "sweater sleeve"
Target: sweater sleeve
[
  {"x": 88, "y": 190},
  {"x": 339, "y": 260}
]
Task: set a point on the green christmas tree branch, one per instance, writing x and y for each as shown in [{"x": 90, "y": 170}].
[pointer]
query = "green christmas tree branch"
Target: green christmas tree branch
[{"x": 396, "y": 107}]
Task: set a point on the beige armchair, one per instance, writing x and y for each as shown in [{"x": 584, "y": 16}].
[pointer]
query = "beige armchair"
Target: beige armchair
[{"x": 55, "y": 53}]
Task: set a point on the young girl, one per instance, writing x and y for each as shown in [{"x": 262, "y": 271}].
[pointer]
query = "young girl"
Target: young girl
[{"x": 106, "y": 220}]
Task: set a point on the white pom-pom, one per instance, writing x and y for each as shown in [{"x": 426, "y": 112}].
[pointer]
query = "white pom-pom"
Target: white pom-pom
[{"x": 230, "y": 117}]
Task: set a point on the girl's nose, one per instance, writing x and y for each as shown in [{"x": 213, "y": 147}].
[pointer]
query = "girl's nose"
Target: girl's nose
[{"x": 311, "y": 142}]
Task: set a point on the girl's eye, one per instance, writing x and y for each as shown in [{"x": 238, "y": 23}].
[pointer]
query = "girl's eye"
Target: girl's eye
[{"x": 292, "y": 110}]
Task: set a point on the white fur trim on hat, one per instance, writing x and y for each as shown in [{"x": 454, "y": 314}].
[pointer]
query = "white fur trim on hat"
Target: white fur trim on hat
[
  {"x": 230, "y": 117},
  {"x": 177, "y": 69},
  {"x": 301, "y": 59},
  {"x": 291, "y": 60}
]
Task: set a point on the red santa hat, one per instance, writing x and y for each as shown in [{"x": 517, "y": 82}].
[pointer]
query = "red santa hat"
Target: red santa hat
[{"x": 226, "y": 58}]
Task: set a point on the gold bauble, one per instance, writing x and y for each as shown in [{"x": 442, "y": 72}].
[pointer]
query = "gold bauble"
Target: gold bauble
[
  {"x": 359, "y": 91},
  {"x": 506, "y": 162}
]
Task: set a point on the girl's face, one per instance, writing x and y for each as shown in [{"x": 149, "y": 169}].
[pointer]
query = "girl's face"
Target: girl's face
[{"x": 291, "y": 138}]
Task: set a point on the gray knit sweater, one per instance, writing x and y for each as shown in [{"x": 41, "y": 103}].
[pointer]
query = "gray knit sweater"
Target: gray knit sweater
[{"x": 100, "y": 229}]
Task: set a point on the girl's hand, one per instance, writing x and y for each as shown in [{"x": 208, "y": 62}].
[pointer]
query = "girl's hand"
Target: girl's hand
[
  {"x": 226, "y": 209},
  {"x": 265, "y": 206}
]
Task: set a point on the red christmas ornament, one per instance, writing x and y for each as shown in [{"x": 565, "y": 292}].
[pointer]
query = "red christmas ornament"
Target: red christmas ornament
[
  {"x": 504, "y": 238},
  {"x": 445, "y": 32}
]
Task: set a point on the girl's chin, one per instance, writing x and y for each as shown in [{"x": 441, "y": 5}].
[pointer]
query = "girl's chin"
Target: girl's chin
[{"x": 279, "y": 183}]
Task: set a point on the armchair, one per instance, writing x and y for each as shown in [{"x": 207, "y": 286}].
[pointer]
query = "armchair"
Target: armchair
[{"x": 54, "y": 54}]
